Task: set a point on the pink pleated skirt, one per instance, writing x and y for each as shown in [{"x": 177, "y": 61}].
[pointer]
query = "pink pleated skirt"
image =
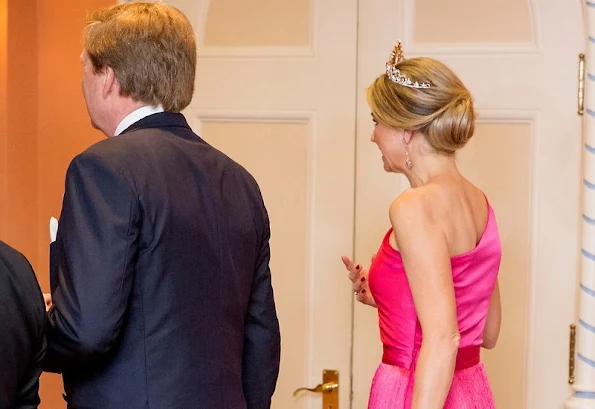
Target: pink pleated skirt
[{"x": 392, "y": 388}]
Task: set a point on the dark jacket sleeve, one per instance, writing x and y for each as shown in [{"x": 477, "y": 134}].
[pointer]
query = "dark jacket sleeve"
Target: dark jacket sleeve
[
  {"x": 29, "y": 390},
  {"x": 22, "y": 343},
  {"x": 262, "y": 340},
  {"x": 91, "y": 274}
]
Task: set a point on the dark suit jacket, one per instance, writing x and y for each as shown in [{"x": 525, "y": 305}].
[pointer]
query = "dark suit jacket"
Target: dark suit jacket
[
  {"x": 22, "y": 337},
  {"x": 160, "y": 281}
]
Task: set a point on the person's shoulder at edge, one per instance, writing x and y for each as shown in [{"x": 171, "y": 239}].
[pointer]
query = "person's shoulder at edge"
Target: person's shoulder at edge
[
  {"x": 6, "y": 249},
  {"x": 12, "y": 255}
]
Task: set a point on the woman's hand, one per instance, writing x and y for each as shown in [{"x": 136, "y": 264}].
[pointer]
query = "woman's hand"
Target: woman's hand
[{"x": 359, "y": 280}]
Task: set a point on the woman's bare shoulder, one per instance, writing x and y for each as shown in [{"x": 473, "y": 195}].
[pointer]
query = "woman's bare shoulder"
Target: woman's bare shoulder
[{"x": 416, "y": 204}]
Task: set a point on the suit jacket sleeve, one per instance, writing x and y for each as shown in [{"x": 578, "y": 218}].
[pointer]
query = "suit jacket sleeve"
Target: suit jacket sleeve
[
  {"x": 262, "y": 341},
  {"x": 91, "y": 275},
  {"x": 29, "y": 394}
]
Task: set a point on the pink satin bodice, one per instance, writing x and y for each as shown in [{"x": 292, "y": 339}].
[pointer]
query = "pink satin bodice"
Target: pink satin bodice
[{"x": 474, "y": 276}]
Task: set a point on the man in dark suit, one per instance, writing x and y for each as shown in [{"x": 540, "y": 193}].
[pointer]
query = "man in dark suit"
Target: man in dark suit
[
  {"x": 22, "y": 341},
  {"x": 160, "y": 277}
]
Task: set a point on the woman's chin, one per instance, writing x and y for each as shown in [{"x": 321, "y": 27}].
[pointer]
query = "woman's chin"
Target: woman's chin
[
  {"x": 386, "y": 165},
  {"x": 389, "y": 168}
]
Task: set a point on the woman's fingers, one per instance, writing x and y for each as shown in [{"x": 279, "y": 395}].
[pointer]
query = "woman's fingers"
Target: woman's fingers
[{"x": 354, "y": 269}]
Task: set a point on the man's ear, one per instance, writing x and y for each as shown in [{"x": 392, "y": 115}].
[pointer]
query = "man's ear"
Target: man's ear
[{"x": 110, "y": 82}]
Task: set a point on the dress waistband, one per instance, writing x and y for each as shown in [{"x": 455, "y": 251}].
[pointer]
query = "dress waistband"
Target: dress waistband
[{"x": 466, "y": 357}]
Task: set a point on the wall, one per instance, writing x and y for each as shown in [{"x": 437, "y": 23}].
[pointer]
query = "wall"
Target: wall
[
  {"x": 3, "y": 113},
  {"x": 43, "y": 124},
  {"x": 64, "y": 127},
  {"x": 18, "y": 124},
  {"x": 21, "y": 125}
]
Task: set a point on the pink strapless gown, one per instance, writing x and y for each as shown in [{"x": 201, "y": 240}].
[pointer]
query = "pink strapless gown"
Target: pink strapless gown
[{"x": 474, "y": 276}]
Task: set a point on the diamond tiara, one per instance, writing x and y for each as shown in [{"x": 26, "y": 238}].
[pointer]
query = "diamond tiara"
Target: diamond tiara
[{"x": 394, "y": 74}]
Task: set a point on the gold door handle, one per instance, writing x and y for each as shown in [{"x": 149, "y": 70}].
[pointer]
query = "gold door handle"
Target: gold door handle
[
  {"x": 581, "y": 83},
  {"x": 329, "y": 388},
  {"x": 571, "y": 352},
  {"x": 320, "y": 388}
]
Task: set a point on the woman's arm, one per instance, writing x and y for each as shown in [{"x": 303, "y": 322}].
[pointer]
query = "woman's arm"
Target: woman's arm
[
  {"x": 494, "y": 320},
  {"x": 426, "y": 258}
]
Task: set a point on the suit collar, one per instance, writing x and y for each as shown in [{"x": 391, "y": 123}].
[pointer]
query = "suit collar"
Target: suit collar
[
  {"x": 159, "y": 120},
  {"x": 136, "y": 116}
]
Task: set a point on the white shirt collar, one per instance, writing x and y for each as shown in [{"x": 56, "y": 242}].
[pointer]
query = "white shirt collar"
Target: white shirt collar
[{"x": 136, "y": 116}]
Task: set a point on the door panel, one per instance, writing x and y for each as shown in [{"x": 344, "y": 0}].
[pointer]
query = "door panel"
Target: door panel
[
  {"x": 509, "y": 196},
  {"x": 275, "y": 91},
  {"x": 525, "y": 154}
]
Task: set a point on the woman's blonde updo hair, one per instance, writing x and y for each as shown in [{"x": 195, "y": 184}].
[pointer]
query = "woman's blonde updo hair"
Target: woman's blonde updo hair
[{"x": 443, "y": 112}]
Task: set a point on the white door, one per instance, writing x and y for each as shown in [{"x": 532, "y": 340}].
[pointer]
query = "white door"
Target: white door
[
  {"x": 275, "y": 90},
  {"x": 519, "y": 59}
]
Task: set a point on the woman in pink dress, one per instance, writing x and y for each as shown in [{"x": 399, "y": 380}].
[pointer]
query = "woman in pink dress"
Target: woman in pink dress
[{"x": 434, "y": 278}]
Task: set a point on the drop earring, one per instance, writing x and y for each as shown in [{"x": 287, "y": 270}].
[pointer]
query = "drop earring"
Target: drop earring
[{"x": 407, "y": 157}]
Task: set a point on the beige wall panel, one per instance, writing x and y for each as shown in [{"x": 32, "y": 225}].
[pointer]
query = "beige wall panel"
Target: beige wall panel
[
  {"x": 258, "y": 23},
  {"x": 498, "y": 160},
  {"x": 472, "y": 21},
  {"x": 276, "y": 155}
]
